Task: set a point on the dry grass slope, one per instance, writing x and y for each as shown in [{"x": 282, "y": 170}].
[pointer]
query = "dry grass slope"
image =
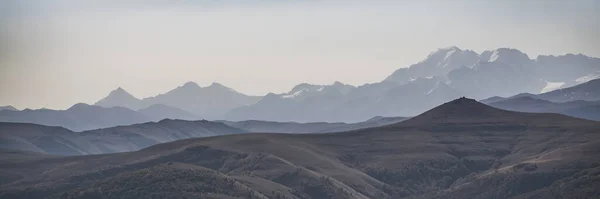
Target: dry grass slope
[{"x": 462, "y": 149}]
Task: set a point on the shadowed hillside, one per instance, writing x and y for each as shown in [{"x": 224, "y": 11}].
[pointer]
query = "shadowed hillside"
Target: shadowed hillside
[{"x": 461, "y": 149}]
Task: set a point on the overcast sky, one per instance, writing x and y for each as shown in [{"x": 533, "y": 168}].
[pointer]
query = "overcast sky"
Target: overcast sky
[{"x": 57, "y": 53}]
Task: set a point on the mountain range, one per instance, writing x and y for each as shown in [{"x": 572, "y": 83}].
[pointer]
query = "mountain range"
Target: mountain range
[
  {"x": 444, "y": 75},
  {"x": 460, "y": 149},
  {"x": 209, "y": 102},
  {"x": 10, "y": 108},
  {"x": 81, "y": 117},
  {"x": 582, "y": 101}
]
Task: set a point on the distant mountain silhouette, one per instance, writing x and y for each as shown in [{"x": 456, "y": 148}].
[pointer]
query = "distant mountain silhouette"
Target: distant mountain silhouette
[
  {"x": 438, "y": 63},
  {"x": 589, "y": 91},
  {"x": 121, "y": 98},
  {"x": 208, "y": 103},
  {"x": 578, "y": 101},
  {"x": 579, "y": 108},
  {"x": 82, "y": 117},
  {"x": 343, "y": 103},
  {"x": 160, "y": 111},
  {"x": 9, "y": 108},
  {"x": 461, "y": 149},
  {"x": 444, "y": 75},
  {"x": 78, "y": 117},
  {"x": 61, "y": 141}
]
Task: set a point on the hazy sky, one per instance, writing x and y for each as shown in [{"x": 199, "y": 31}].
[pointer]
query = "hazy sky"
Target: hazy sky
[{"x": 57, "y": 53}]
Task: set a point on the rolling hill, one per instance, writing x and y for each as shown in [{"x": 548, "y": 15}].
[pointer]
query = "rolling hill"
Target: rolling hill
[
  {"x": 61, "y": 141},
  {"x": 461, "y": 149},
  {"x": 258, "y": 126}
]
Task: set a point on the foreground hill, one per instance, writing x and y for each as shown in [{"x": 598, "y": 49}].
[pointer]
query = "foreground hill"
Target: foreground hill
[
  {"x": 461, "y": 149},
  {"x": 61, "y": 141}
]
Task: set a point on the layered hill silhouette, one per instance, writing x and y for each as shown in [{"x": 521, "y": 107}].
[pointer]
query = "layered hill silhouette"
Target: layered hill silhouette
[
  {"x": 588, "y": 91},
  {"x": 581, "y": 109},
  {"x": 315, "y": 127},
  {"x": 61, "y": 141},
  {"x": 81, "y": 117},
  {"x": 579, "y": 101},
  {"x": 78, "y": 117},
  {"x": 461, "y": 149}
]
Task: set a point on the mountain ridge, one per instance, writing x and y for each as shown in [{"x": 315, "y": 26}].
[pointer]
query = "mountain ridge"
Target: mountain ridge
[{"x": 490, "y": 162}]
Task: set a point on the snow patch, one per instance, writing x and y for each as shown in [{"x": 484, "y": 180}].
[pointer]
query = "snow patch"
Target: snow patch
[
  {"x": 587, "y": 78},
  {"x": 550, "y": 86},
  {"x": 293, "y": 95},
  {"x": 495, "y": 55}
]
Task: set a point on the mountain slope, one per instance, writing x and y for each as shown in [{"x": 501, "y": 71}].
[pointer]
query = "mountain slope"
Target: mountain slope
[
  {"x": 61, "y": 141},
  {"x": 579, "y": 108},
  {"x": 209, "y": 102},
  {"x": 589, "y": 91},
  {"x": 472, "y": 151},
  {"x": 438, "y": 63},
  {"x": 316, "y": 127}
]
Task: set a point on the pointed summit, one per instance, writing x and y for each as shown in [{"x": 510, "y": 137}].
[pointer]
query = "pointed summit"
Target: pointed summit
[
  {"x": 120, "y": 97},
  {"x": 10, "y": 108},
  {"x": 468, "y": 114},
  {"x": 119, "y": 91},
  {"x": 216, "y": 84},
  {"x": 461, "y": 110}
]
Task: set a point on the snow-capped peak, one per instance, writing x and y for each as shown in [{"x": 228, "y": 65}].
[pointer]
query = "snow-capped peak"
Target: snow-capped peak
[{"x": 508, "y": 55}]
